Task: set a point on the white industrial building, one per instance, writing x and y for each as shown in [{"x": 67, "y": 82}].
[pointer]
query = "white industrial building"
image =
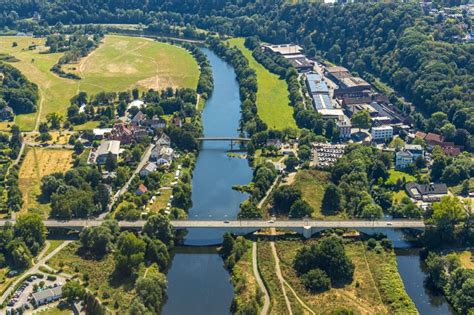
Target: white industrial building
[{"x": 382, "y": 133}]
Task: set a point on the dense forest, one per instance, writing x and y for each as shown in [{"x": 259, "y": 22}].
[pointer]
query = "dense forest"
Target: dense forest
[
  {"x": 16, "y": 91},
  {"x": 393, "y": 42}
]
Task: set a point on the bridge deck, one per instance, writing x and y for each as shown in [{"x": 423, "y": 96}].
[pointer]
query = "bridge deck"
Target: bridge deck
[
  {"x": 254, "y": 224},
  {"x": 223, "y": 139}
]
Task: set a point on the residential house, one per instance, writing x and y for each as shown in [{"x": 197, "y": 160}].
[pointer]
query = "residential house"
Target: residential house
[
  {"x": 408, "y": 155},
  {"x": 47, "y": 296},
  {"x": 141, "y": 190},
  {"x": 149, "y": 168},
  {"x": 139, "y": 133},
  {"x": 177, "y": 121},
  {"x": 433, "y": 139},
  {"x": 122, "y": 133},
  {"x": 7, "y": 114},
  {"x": 162, "y": 155},
  {"x": 139, "y": 119},
  {"x": 426, "y": 192},
  {"x": 344, "y": 127},
  {"x": 163, "y": 141},
  {"x": 106, "y": 147},
  {"x": 274, "y": 143},
  {"x": 155, "y": 123}
]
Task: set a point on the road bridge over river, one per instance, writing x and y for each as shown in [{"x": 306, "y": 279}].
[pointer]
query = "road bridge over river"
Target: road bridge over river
[
  {"x": 242, "y": 227},
  {"x": 233, "y": 140}
]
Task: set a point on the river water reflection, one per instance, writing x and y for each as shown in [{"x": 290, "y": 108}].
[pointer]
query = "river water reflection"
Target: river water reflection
[{"x": 197, "y": 280}]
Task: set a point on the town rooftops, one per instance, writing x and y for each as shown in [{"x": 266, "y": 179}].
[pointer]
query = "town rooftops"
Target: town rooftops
[
  {"x": 350, "y": 82},
  {"x": 413, "y": 147},
  {"x": 434, "y": 138},
  {"x": 109, "y": 146},
  {"x": 47, "y": 294},
  {"x": 141, "y": 189}
]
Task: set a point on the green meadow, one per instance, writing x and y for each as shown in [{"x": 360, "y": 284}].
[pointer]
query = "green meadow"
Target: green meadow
[
  {"x": 273, "y": 104},
  {"x": 120, "y": 63}
]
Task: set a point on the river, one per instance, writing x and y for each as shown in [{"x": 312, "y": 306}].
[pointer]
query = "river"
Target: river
[{"x": 197, "y": 280}]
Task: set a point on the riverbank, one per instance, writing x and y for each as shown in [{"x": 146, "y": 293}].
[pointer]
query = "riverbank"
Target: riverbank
[{"x": 375, "y": 272}]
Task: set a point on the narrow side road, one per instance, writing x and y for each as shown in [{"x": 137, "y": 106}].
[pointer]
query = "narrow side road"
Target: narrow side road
[
  {"x": 256, "y": 273},
  {"x": 34, "y": 268},
  {"x": 122, "y": 190}
]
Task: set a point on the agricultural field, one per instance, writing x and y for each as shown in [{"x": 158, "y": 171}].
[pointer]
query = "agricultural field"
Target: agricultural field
[
  {"x": 273, "y": 104},
  {"x": 120, "y": 63},
  {"x": 40, "y": 162}
]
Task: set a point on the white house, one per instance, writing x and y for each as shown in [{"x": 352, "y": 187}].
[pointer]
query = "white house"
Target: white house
[
  {"x": 382, "y": 133},
  {"x": 47, "y": 296},
  {"x": 165, "y": 156},
  {"x": 164, "y": 141},
  {"x": 150, "y": 167},
  {"x": 135, "y": 103},
  {"x": 408, "y": 156}
]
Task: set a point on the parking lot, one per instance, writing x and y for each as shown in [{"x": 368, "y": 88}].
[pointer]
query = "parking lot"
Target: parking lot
[
  {"x": 325, "y": 154},
  {"x": 21, "y": 297}
]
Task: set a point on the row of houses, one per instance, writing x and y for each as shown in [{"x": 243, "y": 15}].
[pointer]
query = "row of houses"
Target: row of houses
[
  {"x": 162, "y": 155},
  {"x": 434, "y": 139}
]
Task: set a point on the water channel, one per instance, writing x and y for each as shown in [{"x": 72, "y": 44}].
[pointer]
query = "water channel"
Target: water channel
[{"x": 197, "y": 280}]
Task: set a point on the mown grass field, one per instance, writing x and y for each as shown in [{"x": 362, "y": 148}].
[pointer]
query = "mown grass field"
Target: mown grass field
[
  {"x": 363, "y": 295},
  {"x": 40, "y": 162},
  {"x": 120, "y": 63},
  {"x": 396, "y": 175},
  {"x": 273, "y": 104},
  {"x": 312, "y": 184},
  {"x": 100, "y": 273}
]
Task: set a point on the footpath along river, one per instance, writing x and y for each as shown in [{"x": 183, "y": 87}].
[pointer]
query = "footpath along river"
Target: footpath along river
[{"x": 197, "y": 280}]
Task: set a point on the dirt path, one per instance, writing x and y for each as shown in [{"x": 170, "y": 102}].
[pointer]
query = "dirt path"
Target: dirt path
[
  {"x": 256, "y": 273},
  {"x": 279, "y": 274},
  {"x": 40, "y": 108}
]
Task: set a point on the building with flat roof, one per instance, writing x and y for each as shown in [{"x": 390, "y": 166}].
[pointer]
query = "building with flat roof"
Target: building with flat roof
[
  {"x": 382, "y": 133},
  {"x": 106, "y": 147},
  {"x": 284, "y": 49},
  {"x": 300, "y": 62},
  {"x": 322, "y": 101},
  {"x": 315, "y": 84},
  {"x": 331, "y": 113}
]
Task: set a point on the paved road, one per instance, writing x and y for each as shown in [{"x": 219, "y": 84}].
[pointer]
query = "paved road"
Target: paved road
[
  {"x": 256, "y": 273},
  {"x": 33, "y": 269},
  {"x": 257, "y": 224},
  {"x": 124, "y": 189}
]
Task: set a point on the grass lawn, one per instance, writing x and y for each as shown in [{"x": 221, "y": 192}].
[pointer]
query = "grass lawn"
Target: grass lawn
[
  {"x": 56, "y": 310},
  {"x": 120, "y": 63},
  {"x": 396, "y": 175},
  {"x": 161, "y": 201},
  {"x": 399, "y": 195},
  {"x": 40, "y": 162},
  {"x": 467, "y": 259},
  {"x": 100, "y": 274},
  {"x": 273, "y": 104},
  {"x": 266, "y": 265},
  {"x": 362, "y": 296},
  {"x": 312, "y": 184},
  {"x": 243, "y": 280},
  {"x": 4, "y": 280},
  {"x": 53, "y": 244},
  {"x": 87, "y": 125}
]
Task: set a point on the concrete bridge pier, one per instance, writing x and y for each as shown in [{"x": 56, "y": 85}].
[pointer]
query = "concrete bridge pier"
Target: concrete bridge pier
[{"x": 307, "y": 231}]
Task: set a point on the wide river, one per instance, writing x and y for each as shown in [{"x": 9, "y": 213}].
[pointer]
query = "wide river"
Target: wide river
[{"x": 197, "y": 281}]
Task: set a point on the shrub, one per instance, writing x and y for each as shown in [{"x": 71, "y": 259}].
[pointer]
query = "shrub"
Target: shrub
[{"x": 316, "y": 280}]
